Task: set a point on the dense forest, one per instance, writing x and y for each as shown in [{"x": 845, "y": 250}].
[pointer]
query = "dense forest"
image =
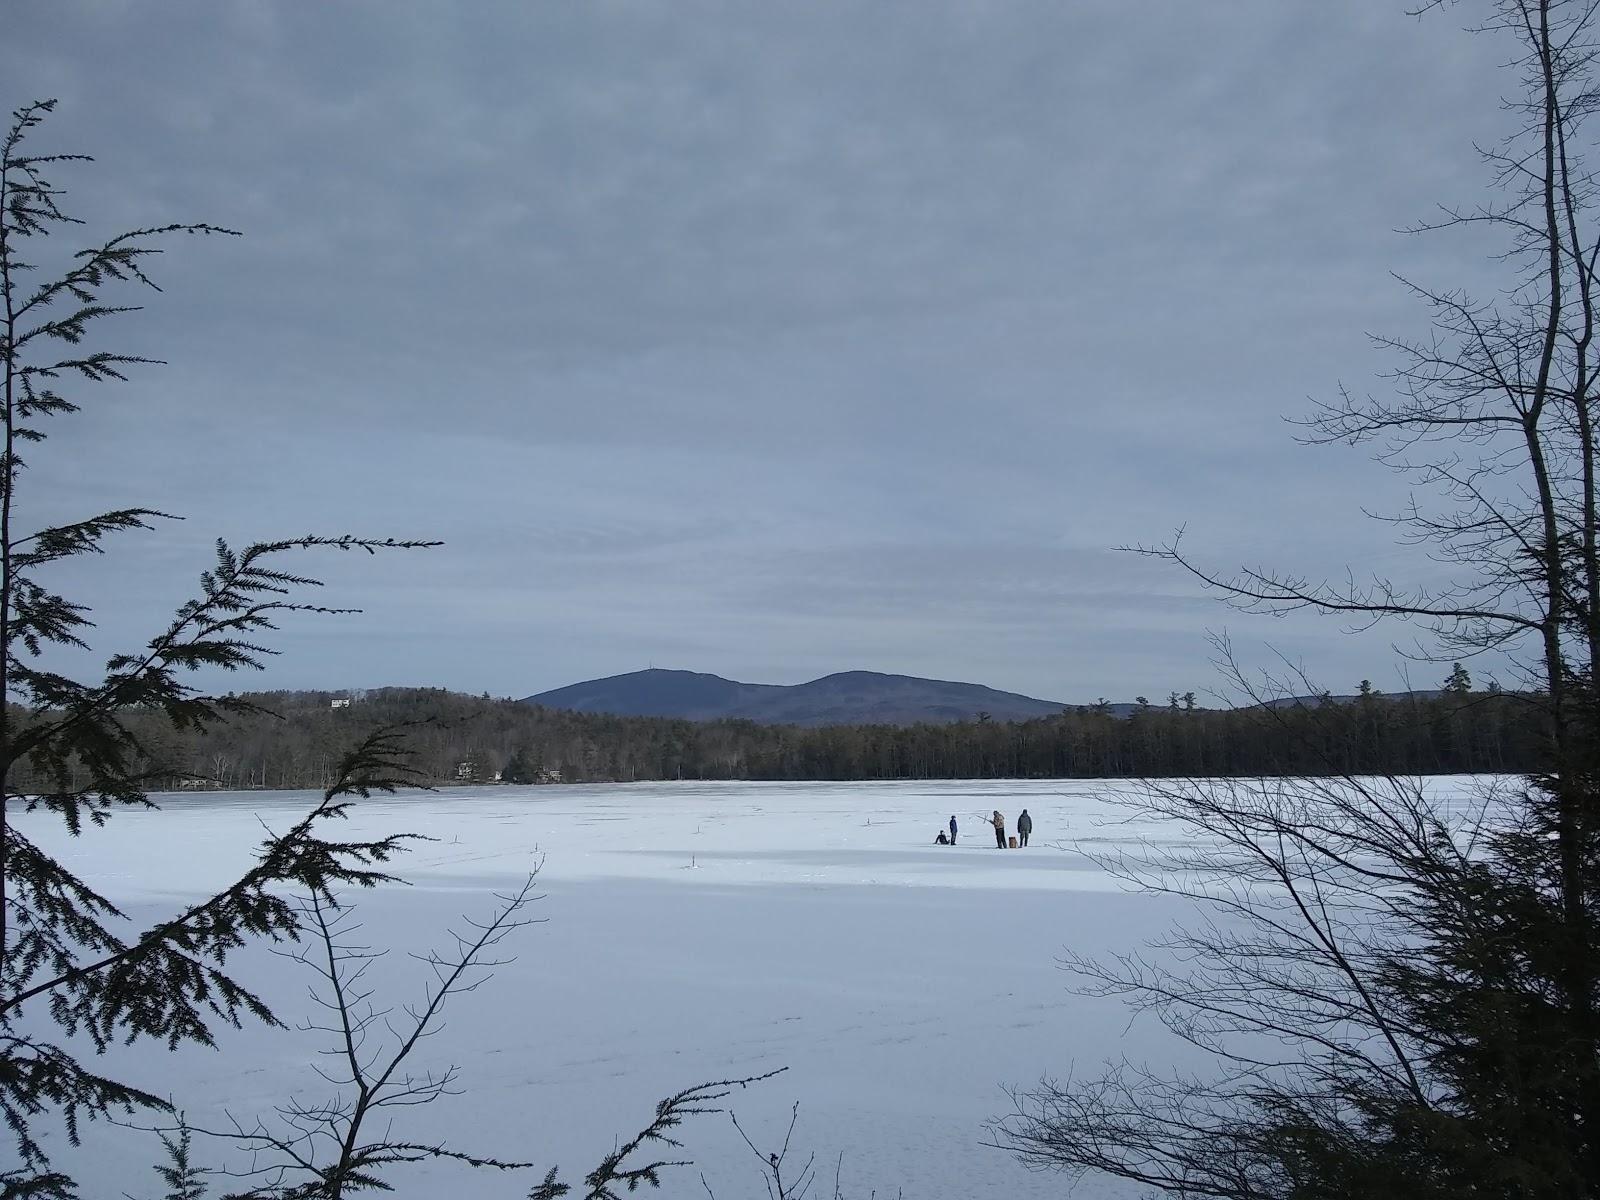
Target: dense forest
[{"x": 296, "y": 739}]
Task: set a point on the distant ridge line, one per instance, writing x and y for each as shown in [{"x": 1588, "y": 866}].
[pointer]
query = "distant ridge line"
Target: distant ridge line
[{"x": 843, "y": 698}]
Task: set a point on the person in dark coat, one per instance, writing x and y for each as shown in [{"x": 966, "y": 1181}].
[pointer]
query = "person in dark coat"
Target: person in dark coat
[
  {"x": 1024, "y": 828},
  {"x": 952, "y": 829},
  {"x": 999, "y": 823},
  {"x": 941, "y": 840}
]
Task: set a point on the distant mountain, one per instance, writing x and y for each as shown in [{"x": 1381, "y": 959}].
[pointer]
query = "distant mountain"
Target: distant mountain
[{"x": 847, "y": 698}]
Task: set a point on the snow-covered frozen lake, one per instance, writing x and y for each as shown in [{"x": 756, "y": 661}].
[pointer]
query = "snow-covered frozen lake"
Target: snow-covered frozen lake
[{"x": 690, "y": 932}]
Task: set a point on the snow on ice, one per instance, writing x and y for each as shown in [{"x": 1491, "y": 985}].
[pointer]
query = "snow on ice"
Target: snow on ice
[{"x": 688, "y": 932}]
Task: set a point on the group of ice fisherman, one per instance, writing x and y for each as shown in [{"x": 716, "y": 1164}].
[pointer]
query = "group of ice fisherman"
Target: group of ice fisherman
[{"x": 1024, "y": 828}]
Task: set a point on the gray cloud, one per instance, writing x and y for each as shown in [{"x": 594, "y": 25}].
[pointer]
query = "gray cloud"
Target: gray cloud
[{"x": 758, "y": 339}]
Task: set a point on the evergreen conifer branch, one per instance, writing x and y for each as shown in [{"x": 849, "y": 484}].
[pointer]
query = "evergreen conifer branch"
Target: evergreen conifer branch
[{"x": 63, "y": 955}]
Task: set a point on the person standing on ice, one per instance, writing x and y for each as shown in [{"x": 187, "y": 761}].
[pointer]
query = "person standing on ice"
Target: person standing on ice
[
  {"x": 1024, "y": 828},
  {"x": 999, "y": 829},
  {"x": 952, "y": 829}
]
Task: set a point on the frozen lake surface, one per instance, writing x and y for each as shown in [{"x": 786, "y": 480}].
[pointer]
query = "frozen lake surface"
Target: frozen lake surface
[{"x": 689, "y": 932}]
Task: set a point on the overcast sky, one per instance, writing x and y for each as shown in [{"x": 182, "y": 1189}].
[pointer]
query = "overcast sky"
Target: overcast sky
[{"x": 761, "y": 339}]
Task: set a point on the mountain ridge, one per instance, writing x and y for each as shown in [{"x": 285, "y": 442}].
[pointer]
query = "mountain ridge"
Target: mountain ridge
[
  {"x": 842, "y": 698},
  {"x": 855, "y": 697}
]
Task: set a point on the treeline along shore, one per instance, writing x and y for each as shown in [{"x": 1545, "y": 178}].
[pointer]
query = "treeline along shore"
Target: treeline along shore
[{"x": 296, "y": 742}]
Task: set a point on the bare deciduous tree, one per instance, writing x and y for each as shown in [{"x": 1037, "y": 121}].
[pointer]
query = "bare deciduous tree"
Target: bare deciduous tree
[
  {"x": 782, "y": 1178},
  {"x": 1398, "y": 997},
  {"x": 326, "y": 1150}
]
